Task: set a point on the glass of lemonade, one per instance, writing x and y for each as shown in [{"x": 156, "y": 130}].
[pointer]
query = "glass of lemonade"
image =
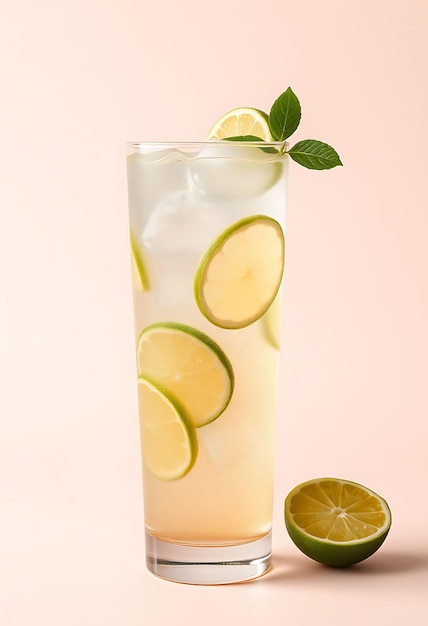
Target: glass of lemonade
[{"x": 207, "y": 226}]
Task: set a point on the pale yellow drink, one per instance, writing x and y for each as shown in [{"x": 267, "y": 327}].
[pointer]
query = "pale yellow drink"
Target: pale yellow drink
[
  {"x": 182, "y": 199},
  {"x": 224, "y": 498}
]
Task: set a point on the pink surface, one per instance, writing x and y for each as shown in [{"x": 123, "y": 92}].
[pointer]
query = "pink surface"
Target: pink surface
[{"x": 79, "y": 79}]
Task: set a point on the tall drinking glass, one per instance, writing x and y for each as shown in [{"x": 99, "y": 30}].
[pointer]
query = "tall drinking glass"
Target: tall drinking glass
[{"x": 207, "y": 224}]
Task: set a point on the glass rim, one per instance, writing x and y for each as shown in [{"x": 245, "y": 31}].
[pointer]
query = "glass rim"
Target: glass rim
[{"x": 161, "y": 145}]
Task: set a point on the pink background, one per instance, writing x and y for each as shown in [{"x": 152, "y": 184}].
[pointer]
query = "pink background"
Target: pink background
[{"x": 78, "y": 80}]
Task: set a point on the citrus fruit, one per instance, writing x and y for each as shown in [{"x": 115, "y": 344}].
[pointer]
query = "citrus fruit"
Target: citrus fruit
[
  {"x": 168, "y": 440},
  {"x": 336, "y": 522},
  {"x": 190, "y": 365},
  {"x": 140, "y": 280},
  {"x": 271, "y": 323},
  {"x": 239, "y": 122},
  {"x": 240, "y": 274}
]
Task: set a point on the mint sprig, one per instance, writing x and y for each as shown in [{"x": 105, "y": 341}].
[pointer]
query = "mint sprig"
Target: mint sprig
[
  {"x": 315, "y": 155},
  {"x": 285, "y": 114},
  {"x": 284, "y": 119},
  {"x": 243, "y": 138},
  {"x": 240, "y": 138}
]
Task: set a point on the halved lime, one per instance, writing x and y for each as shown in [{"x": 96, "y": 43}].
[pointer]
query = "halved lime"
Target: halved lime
[
  {"x": 336, "y": 522},
  {"x": 168, "y": 440},
  {"x": 242, "y": 121},
  {"x": 140, "y": 279},
  {"x": 190, "y": 365},
  {"x": 240, "y": 274}
]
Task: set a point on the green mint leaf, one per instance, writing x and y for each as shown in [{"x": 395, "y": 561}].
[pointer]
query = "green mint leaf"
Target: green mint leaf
[
  {"x": 285, "y": 115},
  {"x": 243, "y": 138},
  {"x": 315, "y": 155},
  {"x": 268, "y": 149}
]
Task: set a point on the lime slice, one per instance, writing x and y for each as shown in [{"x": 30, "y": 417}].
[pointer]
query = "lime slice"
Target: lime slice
[
  {"x": 190, "y": 365},
  {"x": 168, "y": 441},
  {"x": 140, "y": 280},
  {"x": 336, "y": 522},
  {"x": 271, "y": 322},
  {"x": 241, "y": 121},
  {"x": 239, "y": 276}
]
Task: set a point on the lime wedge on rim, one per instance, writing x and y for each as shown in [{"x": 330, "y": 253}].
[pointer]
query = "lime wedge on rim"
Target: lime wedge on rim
[
  {"x": 239, "y": 122},
  {"x": 190, "y": 366},
  {"x": 168, "y": 440},
  {"x": 336, "y": 522},
  {"x": 240, "y": 274}
]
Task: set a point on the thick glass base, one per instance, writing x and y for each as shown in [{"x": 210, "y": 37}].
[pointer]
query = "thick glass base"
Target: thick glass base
[{"x": 208, "y": 565}]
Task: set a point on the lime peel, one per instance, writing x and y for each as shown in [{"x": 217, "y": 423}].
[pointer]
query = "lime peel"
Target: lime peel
[
  {"x": 240, "y": 274},
  {"x": 140, "y": 277},
  {"x": 190, "y": 365},
  {"x": 240, "y": 122},
  {"x": 168, "y": 440},
  {"x": 271, "y": 323},
  {"x": 356, "y": 516}
]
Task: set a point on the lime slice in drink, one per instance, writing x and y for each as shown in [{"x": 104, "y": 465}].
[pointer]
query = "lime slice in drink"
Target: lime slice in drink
[
  {"x": 190, "y": 366},
  {"x": 168, "y": 440},
  {"x": 271, "y": 322},
  {"x": 239, "y": 122},
  {"x": 240, "y": 274},
  {"x": 140, "y": 280},
  {"x": 336, "y": 522}
]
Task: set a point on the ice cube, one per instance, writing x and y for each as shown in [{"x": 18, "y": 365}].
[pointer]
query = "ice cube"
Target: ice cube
[
  {"x": 150, "y": 177},
  {"x": 180, "y": 222},
  {"x": 176, "y": 235},
  {"x": 234, "y": 171}
]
